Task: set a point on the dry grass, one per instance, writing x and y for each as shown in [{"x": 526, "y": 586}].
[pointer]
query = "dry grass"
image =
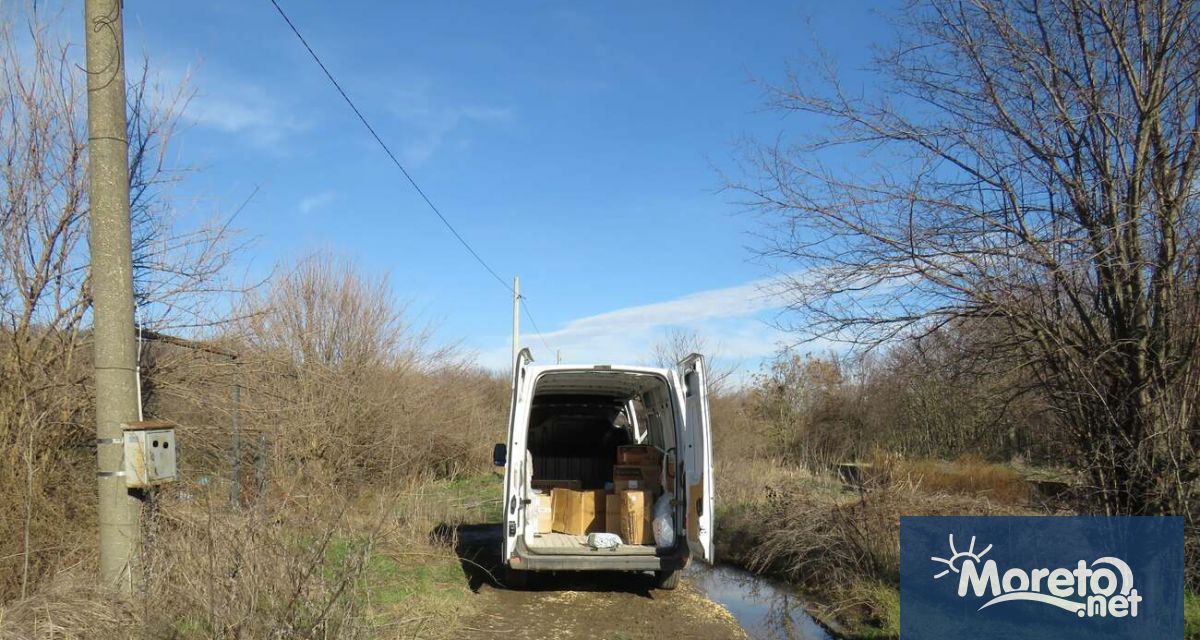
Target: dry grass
[
  {"x": 811, "y": 529},
  {"x": 322, "y": 564},
  {"x": 813, "y": 541},
  {"x": 969, "y": 476},
  {"x": 68, "y": 607},
  {"x": 843, "y": 543}
]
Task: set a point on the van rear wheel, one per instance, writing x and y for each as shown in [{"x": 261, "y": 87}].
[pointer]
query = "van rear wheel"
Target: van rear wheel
[{"x": 667, "y": 579}]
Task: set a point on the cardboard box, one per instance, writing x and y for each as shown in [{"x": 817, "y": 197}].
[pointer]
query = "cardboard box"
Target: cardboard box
[
  {"x": 543, "y": 512},
  {"x": 636, "y": 513},
  {"x": 612, "y": 513},
  {"x": 548, "y": 485},
  {"x": 627, "y": 477},
  {"x": 637, "y": 478},
  {"x": 641, "y": 455},
  {"x": 624, "y": 478},
  {"x": 577, "y": 512}
]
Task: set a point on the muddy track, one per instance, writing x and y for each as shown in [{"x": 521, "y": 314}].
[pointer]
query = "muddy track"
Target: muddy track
[{"x": 578, "y": 604}]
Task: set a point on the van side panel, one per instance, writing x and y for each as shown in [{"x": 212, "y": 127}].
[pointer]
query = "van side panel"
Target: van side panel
[
  {"x": 514, "y": 471},
  {"x": 698, "y": 465}
]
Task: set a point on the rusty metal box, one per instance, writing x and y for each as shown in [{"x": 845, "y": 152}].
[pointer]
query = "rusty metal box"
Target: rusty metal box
[{"x": 150, "y": 453}]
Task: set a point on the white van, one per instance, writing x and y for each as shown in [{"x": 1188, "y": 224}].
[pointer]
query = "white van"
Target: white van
[{"x": 566, "y": 424}]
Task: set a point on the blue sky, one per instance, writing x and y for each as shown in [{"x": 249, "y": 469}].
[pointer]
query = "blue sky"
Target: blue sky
[{"x": 578, "y": 144}]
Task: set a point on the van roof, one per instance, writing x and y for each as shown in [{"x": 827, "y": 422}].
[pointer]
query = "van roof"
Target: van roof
[
  {"x": 620, "y": 368},
  {"x": 603, "y": 379}
]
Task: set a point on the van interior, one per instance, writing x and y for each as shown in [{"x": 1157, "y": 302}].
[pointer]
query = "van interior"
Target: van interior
[{"x": 578, "y": 420}]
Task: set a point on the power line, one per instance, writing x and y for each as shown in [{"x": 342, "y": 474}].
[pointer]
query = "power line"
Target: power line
[
  {"x": 388, "y": 150},
  {"x": 466, "y": 245},
  {"x": 529, "y": 314}
]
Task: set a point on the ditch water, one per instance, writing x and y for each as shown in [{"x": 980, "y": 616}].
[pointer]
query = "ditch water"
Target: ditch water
[{"x": 766, "y": 609}]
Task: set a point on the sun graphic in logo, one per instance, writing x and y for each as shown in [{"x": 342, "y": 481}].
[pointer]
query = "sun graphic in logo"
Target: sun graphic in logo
[{"x": 958, "y": 557}]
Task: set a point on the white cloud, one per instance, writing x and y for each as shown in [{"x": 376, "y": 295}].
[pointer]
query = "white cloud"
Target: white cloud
[
  {"x": 733, "y": 320},
  {"x": 232, "y": 106},
  {"x": 428, "y": 125},
  {"x": 309, "y": 204},
  {"x": 249, "y": 113}
]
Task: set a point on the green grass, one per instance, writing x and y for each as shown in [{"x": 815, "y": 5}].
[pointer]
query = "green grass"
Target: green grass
[
  {"x": 399, "y": 578},
  {"x": 390, "y": 579},
  {"x": 883, "y": 600},
  {"x": 191, "y": 627},
  {"x": 484, "y": 493},
  {"x": 1191, "y": 615}
]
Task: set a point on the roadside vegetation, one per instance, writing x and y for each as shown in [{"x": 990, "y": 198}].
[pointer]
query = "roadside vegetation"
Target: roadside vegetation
[
  {"x": 1010, "y": 262},
  {"x": 356, "y": 443},
  {"x": 322, "y": 437},
  {"x": 818, "y": 457},
  {"x": 790, "y": 506}
]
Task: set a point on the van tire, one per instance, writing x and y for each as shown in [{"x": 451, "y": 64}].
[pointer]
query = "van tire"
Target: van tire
[
  {"x": 515, "y": 578},
  {"x": 666, "y": 580}
]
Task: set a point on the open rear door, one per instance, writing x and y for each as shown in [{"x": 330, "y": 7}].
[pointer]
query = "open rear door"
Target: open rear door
[
  {"x": 697, "y": 457},
  {"x": 515, "y": 471}
]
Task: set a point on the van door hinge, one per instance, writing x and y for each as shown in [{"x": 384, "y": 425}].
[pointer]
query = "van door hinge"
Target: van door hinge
[{"x": 512, "y": 528}]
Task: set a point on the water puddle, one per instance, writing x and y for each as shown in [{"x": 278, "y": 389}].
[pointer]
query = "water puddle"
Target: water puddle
[{"x": 766, "y": 609}]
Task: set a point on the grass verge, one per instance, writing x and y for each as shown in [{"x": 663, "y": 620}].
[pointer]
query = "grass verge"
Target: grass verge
[
  {"x": 1191, "y": 615},
  {"x": 841, "y": 547}
]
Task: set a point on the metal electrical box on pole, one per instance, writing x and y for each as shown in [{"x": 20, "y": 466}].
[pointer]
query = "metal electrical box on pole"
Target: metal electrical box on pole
[
  {"x": 112, "y": 289},
  {"x": 150, "y": 454}
]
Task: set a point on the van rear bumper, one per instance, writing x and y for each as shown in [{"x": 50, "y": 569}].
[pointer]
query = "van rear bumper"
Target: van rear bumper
[{"x": 526, "y": 560}]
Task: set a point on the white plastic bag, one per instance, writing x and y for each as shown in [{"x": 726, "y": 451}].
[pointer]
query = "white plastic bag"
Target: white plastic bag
[
  {"x": 603, "y": 540},
  {"x": 664, "y": 530}
]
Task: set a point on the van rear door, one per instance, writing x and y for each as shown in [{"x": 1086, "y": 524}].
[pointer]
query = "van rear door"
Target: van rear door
[
  {"x": 514, "y": 468},
  {"x": 697, "y": 457}
]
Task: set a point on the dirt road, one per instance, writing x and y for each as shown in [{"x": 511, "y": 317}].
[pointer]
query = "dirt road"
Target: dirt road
[{"x": 581, "y": 605}]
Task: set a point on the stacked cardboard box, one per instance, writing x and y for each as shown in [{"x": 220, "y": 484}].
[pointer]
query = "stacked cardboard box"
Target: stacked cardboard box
[
  {"x": 544, "y": 511},
  {"x": 636, "y": 525},
  {"x": 577, "y": 512},
  {"x": 627, "y": 510},
  {"x": 637, "y": 478},
  {"x": 612, "y": 513},
  {"x": 642, "y": 455}
]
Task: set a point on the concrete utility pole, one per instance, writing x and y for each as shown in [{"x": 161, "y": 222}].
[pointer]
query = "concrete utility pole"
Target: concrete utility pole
[
  {"x": 516, "y": 321},
  {"x": 112, "y": 287}
]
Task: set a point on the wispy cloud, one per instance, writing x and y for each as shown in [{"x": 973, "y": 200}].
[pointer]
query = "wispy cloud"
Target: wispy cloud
[
  {"x": 309, "y": 204},
  {"x": 250, "y": 114},
  {"x": 229, "y": 105},
  {"x": 429, "y": 124},
  {"x": 733, "y": 320}
]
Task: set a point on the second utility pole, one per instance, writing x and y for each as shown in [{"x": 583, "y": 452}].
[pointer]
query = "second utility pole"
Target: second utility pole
[
  {"x": 516, "y": 321},
  {"x": 112, "y": 288}
]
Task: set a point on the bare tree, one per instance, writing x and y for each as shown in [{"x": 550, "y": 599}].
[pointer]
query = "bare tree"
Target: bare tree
[
  {"x": 45, "y": 297},
  {"x": 678, "y": 344},
  {"x": 344, "y": 384},
  {"x": 1030, "y": 165}
]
